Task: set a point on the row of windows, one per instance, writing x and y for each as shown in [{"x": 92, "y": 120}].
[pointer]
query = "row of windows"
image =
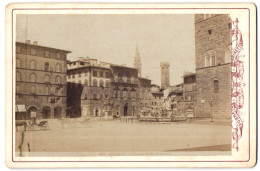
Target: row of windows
[
  {"x": 33, "y": 65},
  {"x": 190, "y": 88},
  {"x": 156, "y": 103},
  {"x": 210, "y": 57},
  {"x": 125, "y": 94},
  {"x": 95, "y": 83},
  {"x": 96, "y": 96},
  {"x": 101, "y": 74},
  {"x": 42, "y": 53},
  {"x": 33, "y": 78},
  {"x": 47, "y": 90}
]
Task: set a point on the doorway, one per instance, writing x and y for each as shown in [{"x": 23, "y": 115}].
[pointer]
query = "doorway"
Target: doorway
[
  {"x": 57, "y": 112},
  {"x": 125, "y": 109},
  {"x": 46, "y": 112}
]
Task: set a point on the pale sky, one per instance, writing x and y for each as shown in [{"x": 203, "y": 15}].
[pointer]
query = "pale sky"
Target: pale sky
[{"x": 113, "y": 38}]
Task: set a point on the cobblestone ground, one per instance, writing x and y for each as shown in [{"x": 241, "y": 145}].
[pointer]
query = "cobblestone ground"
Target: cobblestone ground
[{"x": 114, "y": 136}]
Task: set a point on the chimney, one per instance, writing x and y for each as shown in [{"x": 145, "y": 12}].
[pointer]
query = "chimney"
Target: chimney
[
  {"x": 27, "y": 41},
  {"x": 35, "y": 42}
]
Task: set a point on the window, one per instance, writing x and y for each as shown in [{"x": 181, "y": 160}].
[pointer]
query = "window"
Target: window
[
  {"x": 47, "y": 53},
  {"x": 94, "y": 73},
  {"x": 33, "y": 78},
  {"x": 53, "y": 55},
  {"x": 18, "y": 49},
  {"x": 81, "y": 63},
  {"x": 210, "y": 31},
  {"x": 86, "y": 82},
  {"x": 18, "y": 88},
  {"x": 46, "y": 78},
  {"x": 33, "y": 89},
  {"x": 101, "y": 73},
  {"x": 209, "y": 58},
  {"x": 101, "y": 96},
  {"x": 107, "y": 75},
  {"x": 125, "y": 94},
  {"x": 18, "y": 76},
  {"x": 95, "y": 82},
  {"x": 73, "y": 75},
  {"x": 95, "y": 96},
  {"x": 33, "y": 65},
  {"x": 101, "y": 83},
  {"x": 79, "y": 74},
  {"x": 107, "y": 83},
  {"x": 18, "y": 63},
  {"x": 86, "y": 96},
  {"x": 33, "y": 51},
  {"x": 216, "y": 86},
  {"x": 58, "y": 80},
  {"x": 58, "y": 68},
  {"x": 46, "y": 66},
  {"x": 46, "y": 91},
  {"x": 56, "y": 91},
  {"x": 58, "y": 55}
]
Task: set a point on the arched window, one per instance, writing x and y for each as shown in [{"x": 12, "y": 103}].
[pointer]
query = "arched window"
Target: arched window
[
  {"x": 107, "y": 83},
  {"x": 101, "y": 83},
  {"x": 18, "y": 88},
  {"x": 216, "y": 86},
  {"x": 58, "y": 68},
  {"x": 18, "y": 76},
  {"x": 86, "y": 82},
  {"x": 33, "y": 89},
  {"x": 32, "y": 65},
  {"x": 58, "y": 80},
  {"x": 46, "y": 66},
  {"x": 95, "y": 82},
  {"x": 46, "y": 90},
  {"x": 210, "y": 58},
  {"x": 18, "y": 63},
  {"x": 33, "y": 77},
  {"x": 46, "y": 78},
  {"x": 228, "y": 54}
]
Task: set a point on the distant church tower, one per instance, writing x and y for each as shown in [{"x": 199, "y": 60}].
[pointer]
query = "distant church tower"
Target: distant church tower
[
  {"x": 137, "y": 62},
  {"x": 165, "y": 75}
]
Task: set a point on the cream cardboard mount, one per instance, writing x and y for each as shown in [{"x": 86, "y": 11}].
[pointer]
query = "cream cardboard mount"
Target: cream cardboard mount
[{"x": 130, "y": 85}]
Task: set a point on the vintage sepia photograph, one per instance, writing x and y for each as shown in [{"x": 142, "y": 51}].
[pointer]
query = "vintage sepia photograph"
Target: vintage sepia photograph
[
  {"x": 123, "y": 83},
  {"x": 96, "y": 85}
]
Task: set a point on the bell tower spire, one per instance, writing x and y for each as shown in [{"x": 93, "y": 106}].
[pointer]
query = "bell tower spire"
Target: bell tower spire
[{"x": 137, "y": 62}]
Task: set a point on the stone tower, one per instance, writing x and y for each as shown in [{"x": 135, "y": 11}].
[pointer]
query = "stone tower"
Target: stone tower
[
  {"x": 165, "y": 75},
  {"x": 137, "y": 62},
  {"x": 213, "y": 67}
]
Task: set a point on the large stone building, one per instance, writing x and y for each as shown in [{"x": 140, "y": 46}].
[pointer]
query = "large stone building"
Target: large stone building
[
  {"x": 165, "y": 74},
  {"x": 103, "y": 89},
  {"x": 88, "y": 86},
  {"x": 213, "y": 68},
  {"x": 40, "y": 80}
]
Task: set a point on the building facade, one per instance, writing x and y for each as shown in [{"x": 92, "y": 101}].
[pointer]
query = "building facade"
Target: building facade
[
  {"x": 213, "y": 68},
  {"x": 165, "y": 74},
  {"x": 41, "y": 80},
  {"x": 97, "y": 89}
]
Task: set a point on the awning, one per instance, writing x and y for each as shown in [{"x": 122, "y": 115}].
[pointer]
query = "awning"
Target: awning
[{"x": 20, "y": 108}]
